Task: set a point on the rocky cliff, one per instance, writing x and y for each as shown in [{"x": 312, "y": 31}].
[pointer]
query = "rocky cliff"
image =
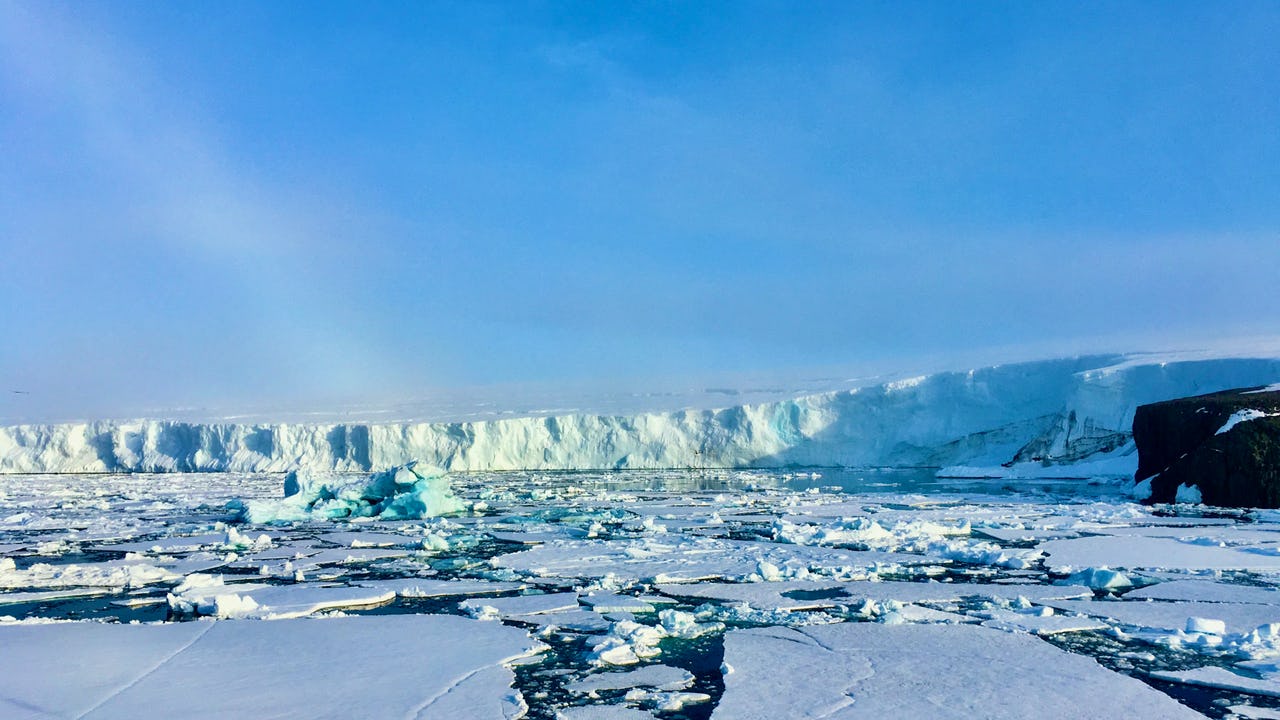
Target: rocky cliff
[{"x": 1226, "y": 445}]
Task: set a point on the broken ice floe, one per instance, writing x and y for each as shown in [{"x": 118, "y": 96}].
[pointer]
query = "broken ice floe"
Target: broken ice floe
[{"x": 404, "y": 492}]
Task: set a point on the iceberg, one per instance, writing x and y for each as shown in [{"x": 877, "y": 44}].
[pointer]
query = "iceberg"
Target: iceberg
[
  {"x": 1051, "y": 412},
  {"x": 400, "y": 493}
]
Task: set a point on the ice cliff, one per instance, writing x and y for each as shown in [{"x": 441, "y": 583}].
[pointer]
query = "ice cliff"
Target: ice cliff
[{"x": 1057, "y": 410}]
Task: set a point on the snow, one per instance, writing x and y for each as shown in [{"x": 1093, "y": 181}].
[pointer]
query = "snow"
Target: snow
[
  {"x": 612, "y": 602},
  {"x": 660, "y": 677},
  {"x": 1039, "y": 623},
  {"x": 211, "y": 596},
  {"x": 1188, "y": 494},
  {"x": 521, "y": 605},
  {"x": 1241, "y": 416},
  {"x": 1100, "y": 579},
  {"x": 1216, "y": 677},
  {"x": 684, "y": 559},
  {"x": 862, "y": 670},
  {"x": 115, "y": 573},
  {"x": 1153, "y": 553},
  {"x": 1174, "y": 616},
  {"x": 1062, "y": 410},
  {"x": 632, "y": 569},
  {"x": 1207, "y": 591},
  {"x": 389, "y": 666}
]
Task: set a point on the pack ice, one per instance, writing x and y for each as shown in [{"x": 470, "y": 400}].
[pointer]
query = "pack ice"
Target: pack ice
[
  {"x": 1063, "y": 410},
  {"x": 671, "y": 595}
]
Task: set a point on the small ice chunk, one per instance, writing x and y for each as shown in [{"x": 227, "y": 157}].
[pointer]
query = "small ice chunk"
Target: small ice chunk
[
  {"x": 1207, "y": 626},
  {"x": 1188, "y": 494},
  {"x": 1100, "y": 578},
  {"x": 612, "y": 602}
]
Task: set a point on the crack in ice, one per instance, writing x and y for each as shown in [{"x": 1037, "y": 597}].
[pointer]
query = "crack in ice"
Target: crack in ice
[{"x": 148, "y": 672}]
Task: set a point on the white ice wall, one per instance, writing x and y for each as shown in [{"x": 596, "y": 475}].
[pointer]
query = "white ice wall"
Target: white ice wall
[{"x": 980, "y": 416}]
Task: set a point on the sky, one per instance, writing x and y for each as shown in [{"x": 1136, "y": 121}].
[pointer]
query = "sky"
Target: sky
[{"x": 242, "y": 203}]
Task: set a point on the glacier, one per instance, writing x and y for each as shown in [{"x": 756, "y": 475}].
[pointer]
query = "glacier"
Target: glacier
[{"x": 1052, "y": 411}]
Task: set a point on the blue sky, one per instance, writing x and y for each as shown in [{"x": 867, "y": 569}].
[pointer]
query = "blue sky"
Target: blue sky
[{"x": 316, "y": 202}]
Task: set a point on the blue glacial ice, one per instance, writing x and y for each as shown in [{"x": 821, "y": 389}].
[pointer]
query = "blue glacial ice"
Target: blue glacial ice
[{"x": 406, "y": 492}]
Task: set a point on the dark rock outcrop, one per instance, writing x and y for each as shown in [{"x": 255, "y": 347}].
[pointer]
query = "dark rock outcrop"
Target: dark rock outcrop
[{"x": 1179, "y": 444}]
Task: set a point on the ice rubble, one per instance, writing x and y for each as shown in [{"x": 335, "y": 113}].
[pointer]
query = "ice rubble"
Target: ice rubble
[
  {"x": 405, "y": 492},
  {"x": 1063, "y": 410}
]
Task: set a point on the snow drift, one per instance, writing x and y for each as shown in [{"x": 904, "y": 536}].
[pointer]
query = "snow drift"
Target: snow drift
[{"x": 1059, "y": 411}]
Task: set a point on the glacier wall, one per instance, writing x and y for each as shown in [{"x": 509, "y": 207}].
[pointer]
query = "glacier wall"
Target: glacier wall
[{"x": 1057, "y": 410}]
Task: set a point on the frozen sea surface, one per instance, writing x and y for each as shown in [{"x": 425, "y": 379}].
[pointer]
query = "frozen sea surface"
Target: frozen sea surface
[{"x": 671, "y": 595}]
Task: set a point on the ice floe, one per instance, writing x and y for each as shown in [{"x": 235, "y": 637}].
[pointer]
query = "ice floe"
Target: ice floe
[
  {"x": 390, "y": 666},
  {"x": 861, "y": 670}
]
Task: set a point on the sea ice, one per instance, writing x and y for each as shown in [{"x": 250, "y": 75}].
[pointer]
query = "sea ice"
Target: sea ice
[
  {"x": 1100, "y": 579},
  {"x": 1173, "y": 616},
  {"x": 1240, "y": 416},
  {"x": 206, "y": 595},
  {"x": 864, "y": 670},
  {"x": 127, "y": 573},
  {"x": 1206, "y": 591},
  {"x": 603, "y": 712},
  {"x": 606, "y": 602},
  {"x": 409, "y": 666},
  {"x": 688, "y": 559},
  {"x": 521, "y": 605},
  {"x": 430, "y": 587},
  {"x": 1152, "y": 553},
  {"x": 1221, "y": 678}
]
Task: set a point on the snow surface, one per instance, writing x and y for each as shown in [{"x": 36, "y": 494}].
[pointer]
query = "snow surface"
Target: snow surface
[
  {"x": 1057, "y": 410},
  {"x": 400, "y": 666},
  {"x": 1242, "y": 416},
  {"x": 861, "y": 670}
]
